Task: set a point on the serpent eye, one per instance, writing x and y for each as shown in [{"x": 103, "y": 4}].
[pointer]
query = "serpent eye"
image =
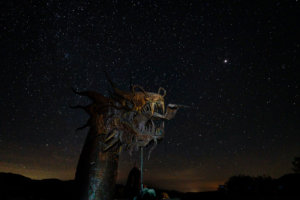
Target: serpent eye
[{"x": 146, "y": 108}]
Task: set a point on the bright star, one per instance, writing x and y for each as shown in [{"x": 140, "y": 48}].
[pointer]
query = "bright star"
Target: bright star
[{"x": 225, "y": 61}]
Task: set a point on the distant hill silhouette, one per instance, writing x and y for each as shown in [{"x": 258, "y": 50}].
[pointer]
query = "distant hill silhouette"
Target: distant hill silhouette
[
  {"x": 17, "y": 187},
  {"x": 266, "y": 187},
  {"x": 13, "y": 187}
]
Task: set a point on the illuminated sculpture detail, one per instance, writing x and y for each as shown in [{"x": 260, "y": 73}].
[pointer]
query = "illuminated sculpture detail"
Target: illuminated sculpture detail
[{"x": 124, "y": 120}]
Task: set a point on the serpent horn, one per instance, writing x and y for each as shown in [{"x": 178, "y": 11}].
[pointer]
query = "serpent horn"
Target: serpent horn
[
  {"x": 163, "y": 89},
  {"x": 116, "y": 90}
]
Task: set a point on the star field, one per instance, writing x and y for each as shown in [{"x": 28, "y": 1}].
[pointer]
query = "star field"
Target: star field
[{"x": 234, "y": 62}]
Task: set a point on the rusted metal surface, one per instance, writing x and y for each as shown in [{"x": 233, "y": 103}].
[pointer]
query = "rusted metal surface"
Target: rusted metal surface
[{"x": 125, "y": 119}]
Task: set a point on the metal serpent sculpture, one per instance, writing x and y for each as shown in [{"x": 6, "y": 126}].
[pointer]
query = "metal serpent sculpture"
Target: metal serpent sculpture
[{"x": 127, "y": 120}]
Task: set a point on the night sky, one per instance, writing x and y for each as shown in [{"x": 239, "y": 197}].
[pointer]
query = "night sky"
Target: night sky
[{"x": 234, "y": 62}]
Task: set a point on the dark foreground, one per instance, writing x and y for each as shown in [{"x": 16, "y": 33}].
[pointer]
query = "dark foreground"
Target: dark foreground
[{"x": 17, "y": 187}]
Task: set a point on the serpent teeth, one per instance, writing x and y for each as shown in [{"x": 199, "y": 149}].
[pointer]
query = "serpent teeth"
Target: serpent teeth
[
  {"x": 111, "y": 135},
  {"x": 111, "y": 144},
  {"x": 153, "y": 127},
  {"x": 152, "y": 108}
]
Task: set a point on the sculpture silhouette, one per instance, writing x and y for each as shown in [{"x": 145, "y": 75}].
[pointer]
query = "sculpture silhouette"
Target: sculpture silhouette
[{"x": 126, "y": 120}]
